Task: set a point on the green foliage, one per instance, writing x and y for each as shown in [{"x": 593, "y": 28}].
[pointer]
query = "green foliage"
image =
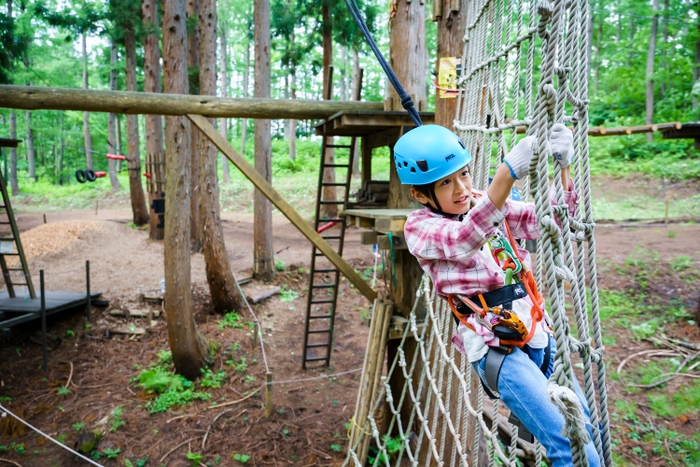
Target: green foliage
[
  {"x": 115, "y": 420},
  {"x": 241, "y": 366},
  {"x": 211, "y": 379},
  {"x": 288, "y": 295},
  {"x": 62, "y": 391},
  {"x": 280, "y": 265},
  {"x": 171, "y": 389},
  {"x": 242, "y": 458},
  {"x": 111, "y": 453},
  {"x": 194, "y": 458},
  {"x": 230, "y": 320},
  {"x": 78, "y": 426}
]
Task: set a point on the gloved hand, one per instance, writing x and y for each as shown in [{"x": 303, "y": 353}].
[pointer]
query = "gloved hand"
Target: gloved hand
[
  {"x": 518, "y": 159},
  {"x": 561, "y": 142}
]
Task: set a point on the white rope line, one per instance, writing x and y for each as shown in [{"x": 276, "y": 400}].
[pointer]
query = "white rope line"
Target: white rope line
[
  {"x": 318, "y": 377},
  {"x": 258, "y": 326},
  {"x": 6, "y": 412}
]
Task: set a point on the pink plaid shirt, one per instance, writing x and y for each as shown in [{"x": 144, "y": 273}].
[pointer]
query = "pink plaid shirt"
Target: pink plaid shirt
[{"x": 446, "y": 247}]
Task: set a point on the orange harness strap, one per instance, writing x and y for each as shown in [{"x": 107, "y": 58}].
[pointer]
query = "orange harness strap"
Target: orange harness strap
[{"x": 530, "y": 285}]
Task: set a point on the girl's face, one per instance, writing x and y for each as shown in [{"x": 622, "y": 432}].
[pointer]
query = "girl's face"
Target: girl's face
[{"x": 453, "y": 193}]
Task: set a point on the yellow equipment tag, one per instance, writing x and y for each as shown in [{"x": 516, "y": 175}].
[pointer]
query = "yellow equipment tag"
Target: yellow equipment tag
[{"x": 447, "y": 77}]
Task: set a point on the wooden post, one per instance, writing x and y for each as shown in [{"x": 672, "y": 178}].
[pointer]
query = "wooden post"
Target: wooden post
[
  {"x": 87, "y": 284},
  {"x": 451, "y": 20},
  {"x": 43, "y": 321},
  {"x": 408, "y": 58},
  {"x": 268, "y": 395}
]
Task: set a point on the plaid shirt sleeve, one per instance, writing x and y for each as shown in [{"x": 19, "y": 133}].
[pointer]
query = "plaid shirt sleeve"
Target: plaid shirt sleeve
[
  {"x": 521, "y": 216},
  {"x": 433, "y": 237}
]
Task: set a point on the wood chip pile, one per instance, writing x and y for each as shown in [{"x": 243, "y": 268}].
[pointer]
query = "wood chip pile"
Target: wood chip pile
[{"x": 55, "y": 236}]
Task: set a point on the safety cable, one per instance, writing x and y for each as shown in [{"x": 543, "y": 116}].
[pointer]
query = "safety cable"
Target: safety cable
[{"x": 406, "y": 101}]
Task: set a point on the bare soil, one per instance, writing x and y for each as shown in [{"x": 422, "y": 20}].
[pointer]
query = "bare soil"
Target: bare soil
[{"x": 311, "y": 410}]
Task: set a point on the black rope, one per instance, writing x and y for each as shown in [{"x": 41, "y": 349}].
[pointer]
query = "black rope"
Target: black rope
[{"x": 406, "y": 101}]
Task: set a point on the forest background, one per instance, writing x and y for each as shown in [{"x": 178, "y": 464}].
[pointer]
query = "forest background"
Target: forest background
[{"x": 80, "y": 43}]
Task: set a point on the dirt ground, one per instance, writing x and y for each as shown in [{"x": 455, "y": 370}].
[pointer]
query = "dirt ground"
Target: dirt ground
[{"x": 311, "y": 410}]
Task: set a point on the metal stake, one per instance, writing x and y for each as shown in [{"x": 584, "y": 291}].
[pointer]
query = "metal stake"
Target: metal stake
[
  {"x": 87, "y": 282},
  {"x": 43, "y": 321}
]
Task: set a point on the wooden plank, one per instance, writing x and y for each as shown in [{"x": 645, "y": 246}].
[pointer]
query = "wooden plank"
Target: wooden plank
[
  {"x": 393, "y": 225},
  {"x": 384, "y": 243},
  {"x": 379, "y": 213},
  {"x": 284, "y": 207},
  {"x": 368, "y": 238},
  {"x": 364, "y": 223}
]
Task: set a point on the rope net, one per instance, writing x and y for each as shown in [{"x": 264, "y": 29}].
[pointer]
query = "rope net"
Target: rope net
[{"x": 524, "y": 69}]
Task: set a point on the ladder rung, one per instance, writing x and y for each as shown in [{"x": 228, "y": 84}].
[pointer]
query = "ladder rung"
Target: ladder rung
[
  {"x": 331, "y": 237},
  {"x": 338, "y": 145},
  {"x": 15, "y": 269},
  {"x": 5, "y": 223},
  {"x": 321, "y": 301},
  {"x": 330, "y": 219},
  {"x": 333, "y": 184},
  {"x": 7, "y": 239},
  {"x": 331, "y": 202},
  {"x": 340, "y": 166},
  {"x": 319, "y": 331},
  {"x": 320, "y": 317},
  {"x": 19, "y": 283},
  {"x": 315, "y": 346},
  {"x": 317, "y": 271},
  {"x": 314, "y": 359},
  {"x": 323, "y": 286},
  {"x": 9, "y": 254}
]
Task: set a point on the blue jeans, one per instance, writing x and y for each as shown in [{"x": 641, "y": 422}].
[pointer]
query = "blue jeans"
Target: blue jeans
[{"x": 523, "y": 388}]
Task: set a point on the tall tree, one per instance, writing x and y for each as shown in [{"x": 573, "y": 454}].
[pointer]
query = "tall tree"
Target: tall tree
[
  {"x": 138, "y": 200},
  {"x": 264, "y": 266},
  {"x": 696, "y": 60},
  {"x": 8, "y": 39},
  {"x": 111, "y": 136},
  {"x": 224, "y": 292},
  {"x": 224, "y": 92},
  {"x": 329, "y": 191},
  {"x": 188, "y": 346},
  {"x": 151, "y": 83},
  {"x": 650, "y": 67},
  {"x": 192, "y": 8}
]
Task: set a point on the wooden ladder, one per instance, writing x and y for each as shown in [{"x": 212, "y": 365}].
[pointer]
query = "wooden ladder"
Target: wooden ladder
[
  {"x": 12, "y": 246},
  {"x": 324, "y": 278}
]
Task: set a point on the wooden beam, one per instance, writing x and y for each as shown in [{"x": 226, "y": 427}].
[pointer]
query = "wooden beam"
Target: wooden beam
[
  {"x": 124, "y": 102},
  {"x": 275, "y": 198}
]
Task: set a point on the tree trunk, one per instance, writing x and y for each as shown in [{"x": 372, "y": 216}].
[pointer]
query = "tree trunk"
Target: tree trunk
[
  {"x": 450, "y": 30},
  {"x": 407, "y": 56},
  {"x": 154, "y": 123},
  {"x": 664, "y": 44},
  {"x": 31, "y": 153},
  {"x": 650, "y": 68},
  {"x": 292, "y": 122},
  {"x": 111, "y": 163},
  {"x": 264, "y": 261},
  {"x": 193, "y": 76},
  {"x": 86, "y": 115},
  {"x": 224, "y": 292},
  {"x": 696, "y": 61},
  {"x": 13, "y": 155},
  {"x": 224, "y": 92},
  {"x": 246, "y": 74},
  {"x": 188, "y": 346},
  {"x": 356, "y": 94},
  {"x": 138, "y": 199},
  {"x": 329, "y": 192}
]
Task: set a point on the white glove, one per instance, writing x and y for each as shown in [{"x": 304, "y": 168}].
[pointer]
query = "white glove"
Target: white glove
[
  {"x": 562, "y": 145},
  {"x": 518, "y": 159}
]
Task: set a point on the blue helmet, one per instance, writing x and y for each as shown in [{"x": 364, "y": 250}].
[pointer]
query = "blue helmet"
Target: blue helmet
[{"x": 428, "y": 153}]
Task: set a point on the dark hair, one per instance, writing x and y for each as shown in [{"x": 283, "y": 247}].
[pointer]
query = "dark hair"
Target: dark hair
[{"x": 426, "y": 189}]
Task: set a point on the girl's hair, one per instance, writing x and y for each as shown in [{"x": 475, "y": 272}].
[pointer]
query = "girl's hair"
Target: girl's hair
[{"x": 426, "y": 190}]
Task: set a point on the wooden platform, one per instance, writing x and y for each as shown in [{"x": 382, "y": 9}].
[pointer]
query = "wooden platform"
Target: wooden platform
[
  {"x": 381, "y": 223},
  {"x": 364, "y": 123},
  {"x": 14, "y": 311}
]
